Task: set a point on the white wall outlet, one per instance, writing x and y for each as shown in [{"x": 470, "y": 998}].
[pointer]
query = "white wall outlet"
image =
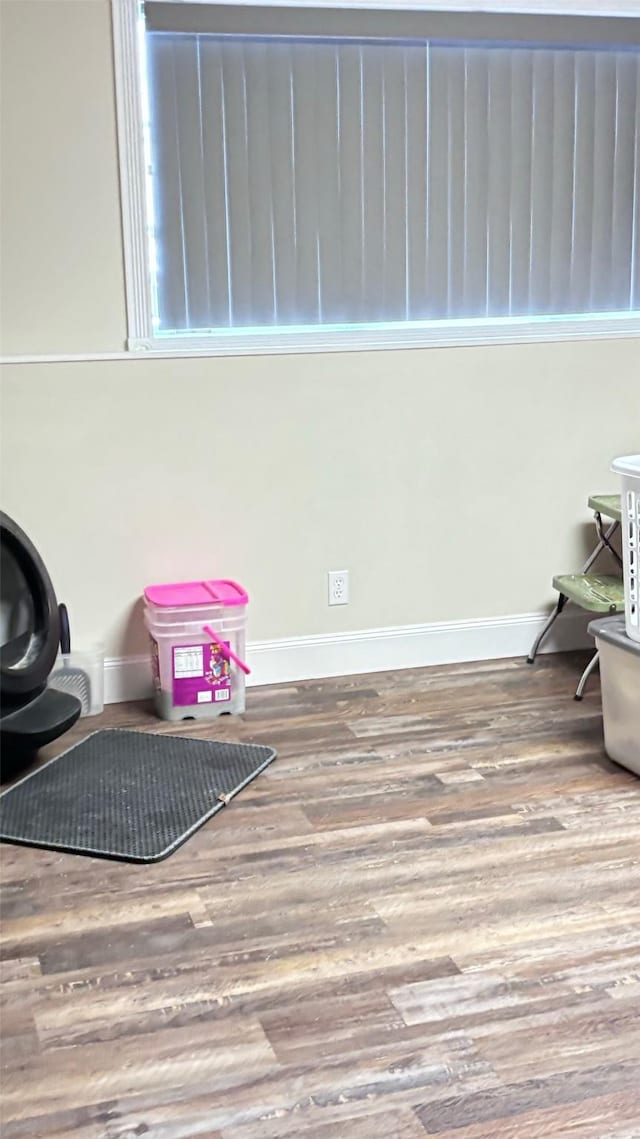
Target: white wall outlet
[{"x": 338, "y": 587}]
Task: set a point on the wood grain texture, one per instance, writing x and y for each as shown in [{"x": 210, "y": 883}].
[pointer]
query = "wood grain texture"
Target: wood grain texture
[{"x": 422, "y": 919}]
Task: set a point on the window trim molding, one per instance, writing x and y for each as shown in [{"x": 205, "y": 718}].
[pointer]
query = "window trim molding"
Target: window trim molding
[
  {"x": 387, "y": 337},
  {"x": 597, "y": 8},
  {"x": 126, "y": 24},
  {"x": 143, "y": 343},
  {"x": 509, "y": 330}
]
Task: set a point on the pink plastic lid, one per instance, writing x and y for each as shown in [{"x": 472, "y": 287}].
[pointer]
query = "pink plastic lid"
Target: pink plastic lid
[{"x": 184, "y": 593}]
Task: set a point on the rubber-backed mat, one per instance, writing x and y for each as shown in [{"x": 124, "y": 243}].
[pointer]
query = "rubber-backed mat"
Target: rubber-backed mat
[{"x": 135, "y": 796}]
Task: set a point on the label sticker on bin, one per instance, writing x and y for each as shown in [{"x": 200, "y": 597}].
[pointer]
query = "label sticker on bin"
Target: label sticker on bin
[{"x": 201, "y": 674}]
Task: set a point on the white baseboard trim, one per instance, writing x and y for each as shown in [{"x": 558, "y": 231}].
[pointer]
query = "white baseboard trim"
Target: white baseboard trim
[{"x": 374, "y": 650}]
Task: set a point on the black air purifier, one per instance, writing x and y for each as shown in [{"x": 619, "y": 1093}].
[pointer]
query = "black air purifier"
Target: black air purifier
[{"x": 31, "y": 714}]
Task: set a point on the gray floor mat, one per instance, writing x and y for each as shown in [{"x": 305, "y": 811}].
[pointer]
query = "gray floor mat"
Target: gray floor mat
[{"x": 136, "y": 796}]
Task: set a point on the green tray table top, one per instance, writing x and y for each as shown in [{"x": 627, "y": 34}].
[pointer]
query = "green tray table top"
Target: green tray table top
[
  {"x": 596, "y": 592},
  {"x": 608, "y": 505}
]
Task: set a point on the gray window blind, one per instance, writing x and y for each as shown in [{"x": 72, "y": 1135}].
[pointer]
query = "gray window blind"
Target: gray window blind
[{"x": 345, "y": 181}]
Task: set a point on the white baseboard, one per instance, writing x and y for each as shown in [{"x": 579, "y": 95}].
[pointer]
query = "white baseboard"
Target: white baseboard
[{"x": 374, "y": 650}]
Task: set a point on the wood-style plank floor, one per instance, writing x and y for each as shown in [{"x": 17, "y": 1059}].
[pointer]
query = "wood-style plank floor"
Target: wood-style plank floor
[{"x": 422, "y": 919}]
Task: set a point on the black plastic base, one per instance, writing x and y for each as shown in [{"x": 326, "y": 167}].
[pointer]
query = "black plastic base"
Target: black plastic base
[{"x": 35, "y": 724}]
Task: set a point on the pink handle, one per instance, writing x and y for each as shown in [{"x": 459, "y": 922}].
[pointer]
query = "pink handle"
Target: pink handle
[{"x": 225, "y": 650}]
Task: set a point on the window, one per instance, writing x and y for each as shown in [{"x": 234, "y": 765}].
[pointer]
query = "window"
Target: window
[{"x": 327, "y": 177}]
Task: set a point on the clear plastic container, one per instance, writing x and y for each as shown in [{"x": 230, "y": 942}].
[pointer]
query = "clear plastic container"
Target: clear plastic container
[
  {"x": 620, "y": 682},
  {"x": 628, "y": 467},
  {"x": 81, "y": 674},
  {"x": 198, "y": 641}
]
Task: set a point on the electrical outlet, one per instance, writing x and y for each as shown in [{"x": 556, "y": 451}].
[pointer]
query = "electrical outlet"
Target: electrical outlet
[{"x": 338, "y": 587}]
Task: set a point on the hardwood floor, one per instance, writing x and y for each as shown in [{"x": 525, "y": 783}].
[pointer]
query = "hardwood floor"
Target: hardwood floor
[{"x": 422, "y": 919}]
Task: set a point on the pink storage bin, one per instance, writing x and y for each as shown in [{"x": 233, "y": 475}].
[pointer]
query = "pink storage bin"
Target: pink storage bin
[{"x": 197, "y": 633}]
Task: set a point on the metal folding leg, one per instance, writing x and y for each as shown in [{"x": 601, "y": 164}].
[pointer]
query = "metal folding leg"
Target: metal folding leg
[
  {"x": 586, "y": 674},
  {"x": 555, "y": 612},
  {"x": 604, "y": 543},
  {"x": 605, "y": 540}
]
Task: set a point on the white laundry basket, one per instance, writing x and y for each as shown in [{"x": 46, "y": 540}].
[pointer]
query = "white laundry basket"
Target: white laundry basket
[{"x": 628, "y": 467}]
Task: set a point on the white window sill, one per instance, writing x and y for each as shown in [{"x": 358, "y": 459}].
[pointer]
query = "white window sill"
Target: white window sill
[{"x": 389, "y": 337}]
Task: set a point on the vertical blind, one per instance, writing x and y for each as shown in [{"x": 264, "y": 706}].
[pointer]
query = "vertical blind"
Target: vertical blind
[{"x": 308, "y": 181}]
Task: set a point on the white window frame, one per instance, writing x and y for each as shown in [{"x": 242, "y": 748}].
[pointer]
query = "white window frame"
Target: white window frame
[{"x": 128, "y": 28}]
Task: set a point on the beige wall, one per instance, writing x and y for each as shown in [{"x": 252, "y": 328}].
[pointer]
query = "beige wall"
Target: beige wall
[
  {"x": 450, "y": 482},
  {"x": 61, "y": 286}
]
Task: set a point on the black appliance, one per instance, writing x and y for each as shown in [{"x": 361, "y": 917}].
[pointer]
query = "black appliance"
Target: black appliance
[{"x": 31, "y": 714}]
